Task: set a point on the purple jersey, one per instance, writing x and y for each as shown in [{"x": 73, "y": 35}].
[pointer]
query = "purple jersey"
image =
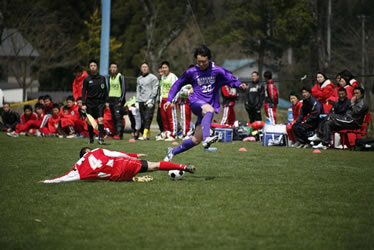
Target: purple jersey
[{"x": 205, "y": 83}]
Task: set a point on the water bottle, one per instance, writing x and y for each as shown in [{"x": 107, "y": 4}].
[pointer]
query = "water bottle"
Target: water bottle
[
  {"x": 290, "y": 115},
  {"x": 211, "y": 149}
]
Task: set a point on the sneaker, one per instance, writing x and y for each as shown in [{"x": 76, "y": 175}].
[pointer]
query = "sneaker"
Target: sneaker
[
  {"x": 209, "y": 141},
  {"x": 159, "y": 138},
  {"x": 190, "y": 169},
  {"x": 71, "y": 136},
  {"x": 169, "y": 154},
  {"x": 320, "y": 146},
  {"x": 295, "y": 145},
  {"x": 91, "y": 141},
  {"x": 101, "y": 141},
  {"x": 13, "y": 134},
  {"x": 314, "y": 138},
  {"x": 144, "y": 138},
  {"x": 307, "y": 146},
  {"x": 117, "y": 137},
  {"x": 301, "y": 145},
  {"x": 170, "y": 138}
]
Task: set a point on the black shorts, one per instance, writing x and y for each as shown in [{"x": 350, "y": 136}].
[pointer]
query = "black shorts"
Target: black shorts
[
  {"x": 144, "y": 167},
  {"x": 95, "y": 108}
]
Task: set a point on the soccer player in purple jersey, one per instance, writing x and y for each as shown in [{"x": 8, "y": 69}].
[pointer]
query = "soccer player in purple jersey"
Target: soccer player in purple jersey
[{"x": 206, "y": 79}]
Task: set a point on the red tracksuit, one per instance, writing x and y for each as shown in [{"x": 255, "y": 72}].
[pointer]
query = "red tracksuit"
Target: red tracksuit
[
  {"x": 322, "y": 92},
  {"x": 229, "y": 96},
  {"x": 185, "y": 112},
  {"x": 271, "y": 101},
  {"x": 77, "y": 85},
  {"x": 29, "y": 122},
  {"x": 295, "y": 113}
]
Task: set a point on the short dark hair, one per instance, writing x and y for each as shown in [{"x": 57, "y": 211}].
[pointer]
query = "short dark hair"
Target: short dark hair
[
  {"x": 255, "y": 72},
  {"x": 47, "y": 97},
  {"x": 70, "y": 98},
  {"x": 92, "y": 61},
  {"x": 342, "y": 90},
  {"x": 268, "y": 74},
  {"x": 306, "y": 89},
  {"x": 55, "y": 106},
  {"x": 324, "y": 75},
  {"x": 65, "y": 107},
  {"x": 361, "y": 90},
  {"x": 202, "y": 51},
  {"x": 38, "y": 105},
  {"x": 27, "y": 106},
  {"x": 41, "y": 98},
  {"x": 146, "y": 63},
  {"x": 77, "y": 69},
  {"x": 79, "y": 99},
  {"x": 293, "y": 94},
  {"x": 113, "y": 63},
  {"x": 83, "y": 151},
  {"x": 166, "y": 63},
  {"x": 348, "y": 74}
]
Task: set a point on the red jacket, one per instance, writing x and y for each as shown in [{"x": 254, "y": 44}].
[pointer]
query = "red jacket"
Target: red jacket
[
  {"x": 25, "y": 118},
  {"x": 77, "y": 85},
  {"x": 296, "y": 109},
  {"x": 271, "y": 93},
  {"x": 323, "y": 92}
]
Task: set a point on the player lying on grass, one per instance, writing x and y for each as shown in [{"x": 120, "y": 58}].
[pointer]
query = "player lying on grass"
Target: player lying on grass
[{"x": 103, "y": 164}]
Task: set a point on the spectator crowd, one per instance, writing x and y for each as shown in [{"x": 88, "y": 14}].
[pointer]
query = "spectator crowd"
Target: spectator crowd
[{"x": 97, "y": 107}]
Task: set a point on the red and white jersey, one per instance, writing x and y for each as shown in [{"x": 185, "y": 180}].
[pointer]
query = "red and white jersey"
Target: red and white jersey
[
  {"x": 271, "y": 93},
  {"x": 354, "y": 83},
  {"x": 103, "y": 164},
  {"x": 25, "y": 118},
  {"x": 296, "y": 109}
]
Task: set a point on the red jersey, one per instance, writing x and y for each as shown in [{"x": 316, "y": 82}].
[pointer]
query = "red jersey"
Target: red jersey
[
  {"x": 271, "y": 94},
  {"x": 322, "y": 92},
  {"x": 77, "y": 85},
  {"x": 296, "y": 109},
  {"x": 103, "y": 164},
  {"x": 25, "y": 118}
]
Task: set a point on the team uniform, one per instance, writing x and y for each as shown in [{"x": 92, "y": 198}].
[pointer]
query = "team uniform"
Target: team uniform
[
  {"x": 183, "y": 104},
  {"x": 229, "y": 96},
  {"x": 295, "y": 113},
  {"x": 322, "y": 92},
  {"x": 169, "y": 116},
  {"x": 33, "y": 123},
  {"x": 77, "y": 85},
  {"x": 271, "y": 101}
]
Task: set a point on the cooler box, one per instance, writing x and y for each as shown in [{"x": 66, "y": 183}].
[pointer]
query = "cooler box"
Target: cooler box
[
  {"x": 224, "y": 134},
  {"x": 274, "y": 135}
]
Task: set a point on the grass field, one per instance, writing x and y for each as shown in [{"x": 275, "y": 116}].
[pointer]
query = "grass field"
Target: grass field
[{"x": 266, "y": 198}]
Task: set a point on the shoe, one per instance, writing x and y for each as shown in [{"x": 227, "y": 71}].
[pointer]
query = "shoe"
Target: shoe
[
  {"x": 295, "y": 145},
  {"x": 116, "y": 137},
  {"x": 144, "y": 138},
  {"x": 320, "y": 146},
  {"x": 186, "y": 137},
  {"x": 71, "y": 136},
  {"x": 169, "y": 154},
  {"x": 301, "y": 145},
  {"x": 101, "y": 141},
  {"x": 170, "y": 138},
  {"x": 13, "y": 134},
  {"x": 307, "y": 146},
  {"x": 190, "y": 169},
  {"x": 91, "y": 141},
  {"x": 314, "y": 138},
  {"x": 209, "y": 141},
  {"x": 159, "y": 138}
]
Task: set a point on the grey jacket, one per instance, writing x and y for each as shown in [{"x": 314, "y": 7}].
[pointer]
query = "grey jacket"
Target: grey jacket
[
  {"x": 357, "y": 111},
  {"x": 147, "y": 88}
]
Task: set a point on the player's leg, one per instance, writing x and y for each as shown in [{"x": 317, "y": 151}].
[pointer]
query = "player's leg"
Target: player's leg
[
  {"x": 72, "y": 175},
  {"x": 206, "y": 124},
  {"x": 166, "y": 166},
  {"x": 225, "y": 114}
]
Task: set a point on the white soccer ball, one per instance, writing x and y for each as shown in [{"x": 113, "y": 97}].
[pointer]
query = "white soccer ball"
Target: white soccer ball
[{"x": 176, "y": 174}]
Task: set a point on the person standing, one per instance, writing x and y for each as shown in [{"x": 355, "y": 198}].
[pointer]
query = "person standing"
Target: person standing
[
  {"x": 255, "y": 96},
  {"x": 94, "y": 96},
  {"x": 116, "y": 97},
  {"x": 206, "y": 79},
  {"x": 169, "y": 116},
  {"x": 80, "y": 74},
  {"x": 229, "y": 96},
  {"x": 146, "y": 94},
  {"x": 271, "y": 98}
]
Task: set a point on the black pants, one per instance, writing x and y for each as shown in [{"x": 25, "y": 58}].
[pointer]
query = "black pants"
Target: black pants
[
  {"x": 159, "y": 119},
  {"x": 117, "y": 115},
  {"x": 254, "y": 114},
  {"x": 301, "y": 130},
  {"x": 146, "y": 113},
  {"x": 336, "y": 122}
]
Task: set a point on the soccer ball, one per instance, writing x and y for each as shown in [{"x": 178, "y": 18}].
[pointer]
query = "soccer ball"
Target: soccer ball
[{"x": 176, "y": 175}]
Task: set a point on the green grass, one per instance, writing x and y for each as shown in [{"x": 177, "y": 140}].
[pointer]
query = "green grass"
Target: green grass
[{"x": 266, "y": 198}]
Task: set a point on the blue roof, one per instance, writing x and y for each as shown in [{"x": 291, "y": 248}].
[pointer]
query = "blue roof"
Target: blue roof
[
  {"x": 283, "y": 104},
  {"x": 234, "y": 64}
]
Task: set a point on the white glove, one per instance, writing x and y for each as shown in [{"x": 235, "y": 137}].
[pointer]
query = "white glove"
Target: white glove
[
  {"x": 150, "y": 103},
  {"x": 137, "y": 106}
]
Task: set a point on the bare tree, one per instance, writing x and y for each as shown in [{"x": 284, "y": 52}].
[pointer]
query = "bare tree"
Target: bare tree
[{"x": 157, "y": 44}]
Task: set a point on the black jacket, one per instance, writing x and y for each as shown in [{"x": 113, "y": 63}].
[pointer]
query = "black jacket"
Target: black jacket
[
  {"x": 254, "y": 96},
  {"x": 10, "y": 119},
  {"x": 341, "y": 107},
  {"x": 311, "y": 108},
  {"x": 94, "y": 88},
  {"x": 122, "y": 99}
]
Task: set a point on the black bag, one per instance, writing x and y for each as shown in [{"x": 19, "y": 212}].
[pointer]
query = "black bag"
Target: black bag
[
  {"x": 364, "y": 145},
  {"x": 240, "y": 133}
]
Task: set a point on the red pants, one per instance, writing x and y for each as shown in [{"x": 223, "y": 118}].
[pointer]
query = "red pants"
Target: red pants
[
  {"x": 28, "y": 125},
  {"x": 169, "y": 118},
  {"x": 291, "y": 134},
  {"x": 228, "y": 116},
  {"x": 270, "y": 112},
  {"x": 185, "y": 111}
]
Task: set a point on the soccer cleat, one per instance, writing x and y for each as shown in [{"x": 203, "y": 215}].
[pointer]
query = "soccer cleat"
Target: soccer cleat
[
  {"x": 91, "y": 141},
  {"x": 13, "y": 134},
  {"x": 314, "y": 138},
  {"x": 101, "y": 141},
  {"x": 209, "y": 141},
  {"x": 190, "y": 169},
  {"x": 146, "y": 178},
  {"x": 320, "y": 146},
  {"x": 169, "y": 155}
]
